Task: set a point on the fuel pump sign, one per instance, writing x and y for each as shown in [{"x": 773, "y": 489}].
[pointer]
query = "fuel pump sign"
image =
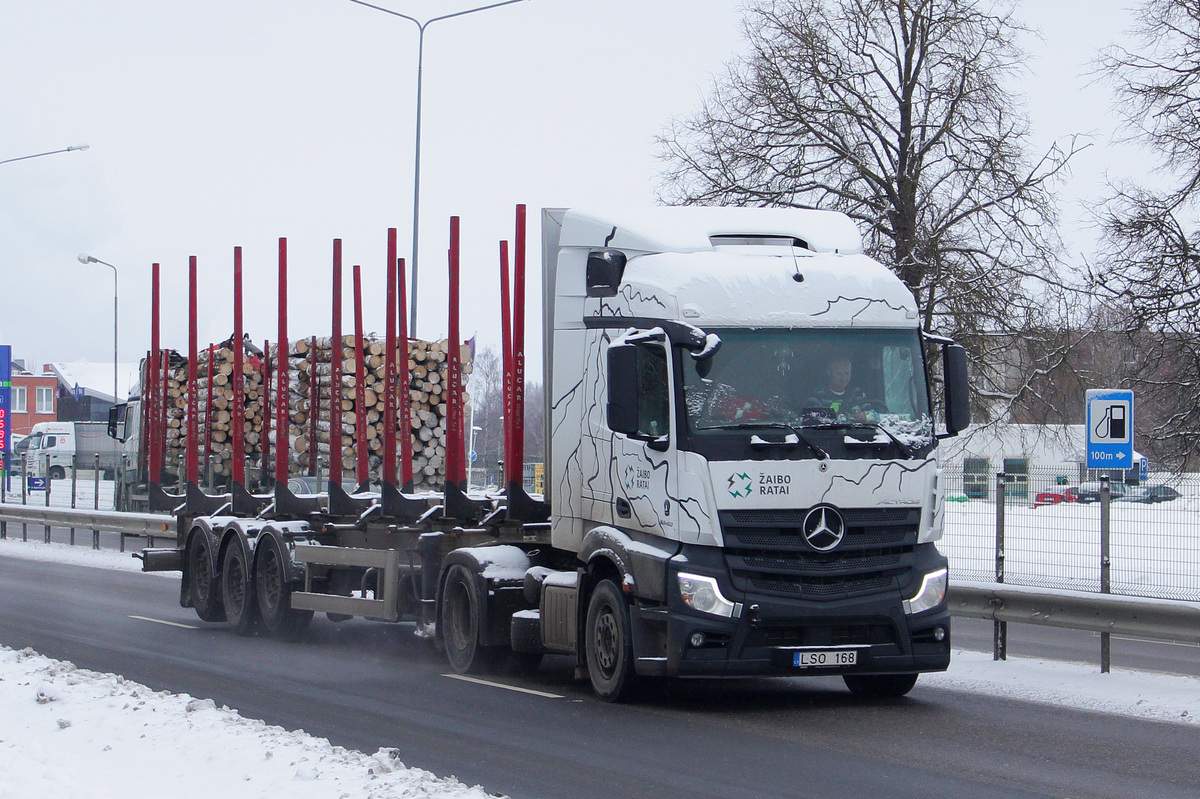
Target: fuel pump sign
[{"x": 1109, "y": 429}]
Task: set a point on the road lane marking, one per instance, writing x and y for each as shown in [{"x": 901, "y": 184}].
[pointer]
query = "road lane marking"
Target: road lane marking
[
  {"x": 168, "y": 623},
  {"x": 477, "y": 681}
]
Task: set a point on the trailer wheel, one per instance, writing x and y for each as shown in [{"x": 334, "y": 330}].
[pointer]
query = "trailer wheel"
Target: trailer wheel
[
  {"x": 237, "y": 589},
  {"x": 274, "y": 594},
  {"x": 57, "y": 473},
  {"x": 461, "y": 623},
  {"x": 202, "y": 591},
  {"x": 609, "y": 643},
  {"x": 879, "y": 686}
]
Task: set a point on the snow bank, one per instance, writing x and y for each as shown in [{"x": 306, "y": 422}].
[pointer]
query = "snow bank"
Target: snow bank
[
  {"x": 66, "y": 731},
  {"x": 1142, "y": 694}
]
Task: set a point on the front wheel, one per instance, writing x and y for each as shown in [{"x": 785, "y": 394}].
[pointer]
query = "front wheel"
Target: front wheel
[
  {"x": 237, "y": 589},
  {"x": 274, "y": 593},
  {"x": 879, "y": 686},
  {"x": 57, "y": 473},
  {"x": 609, "y": 643}
]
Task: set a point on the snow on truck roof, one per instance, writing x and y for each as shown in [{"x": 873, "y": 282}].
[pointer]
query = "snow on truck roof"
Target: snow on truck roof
[{"x": 693, "y": 228}]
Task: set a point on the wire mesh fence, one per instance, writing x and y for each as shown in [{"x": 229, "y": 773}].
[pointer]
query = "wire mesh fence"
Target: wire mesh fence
[{"x": 1046, "y": 531}]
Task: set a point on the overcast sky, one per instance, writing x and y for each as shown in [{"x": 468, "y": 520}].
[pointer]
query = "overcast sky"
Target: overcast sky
[{"x": 235, "y": 122}]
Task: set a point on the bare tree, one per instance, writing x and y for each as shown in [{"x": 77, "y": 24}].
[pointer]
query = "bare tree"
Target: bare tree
[
  {"x": 1149, "y": 265},
  {"x": 895, "y": 112}
]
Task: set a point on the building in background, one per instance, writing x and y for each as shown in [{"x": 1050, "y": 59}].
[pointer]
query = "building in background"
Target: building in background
[
  {"x": 85, "y": 390},
  {"x": 34, "y": 398}
]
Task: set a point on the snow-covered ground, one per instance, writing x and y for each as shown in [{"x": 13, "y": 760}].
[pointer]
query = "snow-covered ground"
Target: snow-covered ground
[
  {"x": 1155, "y": 549},
  {"x": 66, "y": 731}
]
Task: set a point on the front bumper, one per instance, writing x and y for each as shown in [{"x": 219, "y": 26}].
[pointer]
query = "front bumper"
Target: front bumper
[{"x": 771, "y": 629}]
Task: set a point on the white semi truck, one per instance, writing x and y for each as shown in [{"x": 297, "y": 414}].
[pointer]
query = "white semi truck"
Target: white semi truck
[
  {"x": 55, "y": 448},
  {"x": 741, "y": 477}
]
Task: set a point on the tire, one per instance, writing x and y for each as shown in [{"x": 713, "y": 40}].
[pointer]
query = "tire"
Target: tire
[
  {"x": 202, "y": 588},
  {"x": 57, "y": 473},
  {"x": 237, "y": 589},
  {"x": 609, "y": 643},
  {"x": 879, "y": 686},
  {"x": 461, "y": 623},
  {"x": 273, "y": 593}
]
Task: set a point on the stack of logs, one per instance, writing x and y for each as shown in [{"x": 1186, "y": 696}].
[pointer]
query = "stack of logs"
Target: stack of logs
[{"x": 426, "y": 373}]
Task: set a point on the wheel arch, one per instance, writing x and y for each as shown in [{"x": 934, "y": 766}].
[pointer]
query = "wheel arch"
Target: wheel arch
[
  {"x": 495, "y": 569},
  {"x": 285, "y": 534}
]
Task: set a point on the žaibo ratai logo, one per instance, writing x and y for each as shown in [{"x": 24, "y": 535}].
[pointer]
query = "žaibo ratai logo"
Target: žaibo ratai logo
[{"x": 740, "y": 485}]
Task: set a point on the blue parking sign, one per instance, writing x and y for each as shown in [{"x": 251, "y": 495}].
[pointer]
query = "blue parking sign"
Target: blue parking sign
[
  {"x": 37, "y": 483},
  {"x": 1109, "y": 429}
]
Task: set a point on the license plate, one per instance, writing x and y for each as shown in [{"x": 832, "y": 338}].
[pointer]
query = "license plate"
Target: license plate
[{"x": 816, "y": 658}]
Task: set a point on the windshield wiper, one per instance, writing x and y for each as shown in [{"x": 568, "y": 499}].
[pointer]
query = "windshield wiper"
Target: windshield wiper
[
  {"x": 800, "y": 437},
  {"x": 907, "y": 449}
]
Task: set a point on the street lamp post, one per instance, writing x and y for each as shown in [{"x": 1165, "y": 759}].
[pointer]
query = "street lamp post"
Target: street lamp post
[
  {"x": 421, "y": 26},
  {"x": 84, "y": 258},
  {"x": 72, "y": 148}
]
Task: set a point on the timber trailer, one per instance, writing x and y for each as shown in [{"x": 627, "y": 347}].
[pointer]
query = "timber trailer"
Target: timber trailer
[{"x": 707, "y": 511}]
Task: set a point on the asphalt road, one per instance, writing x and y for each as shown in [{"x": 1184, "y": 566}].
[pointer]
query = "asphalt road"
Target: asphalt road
[{"x": 366, "y": 686}]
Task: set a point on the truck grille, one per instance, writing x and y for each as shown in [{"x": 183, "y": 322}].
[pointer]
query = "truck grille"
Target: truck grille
[{"x": 766, "y": 552}]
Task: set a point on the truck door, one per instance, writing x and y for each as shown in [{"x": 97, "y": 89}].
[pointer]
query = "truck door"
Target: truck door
[{"x": 641, "y": 407}]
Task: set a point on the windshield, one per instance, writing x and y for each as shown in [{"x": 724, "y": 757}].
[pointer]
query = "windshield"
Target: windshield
[{"x": 812, "y": 378}]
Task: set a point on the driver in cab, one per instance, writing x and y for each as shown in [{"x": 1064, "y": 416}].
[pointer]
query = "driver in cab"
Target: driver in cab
[{"x": 837, "y": 399}]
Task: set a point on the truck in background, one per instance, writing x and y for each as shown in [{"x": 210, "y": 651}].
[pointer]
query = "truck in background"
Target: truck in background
[
  {"x": 56, "y": 447},
  {"x": 742, "y": 477}
]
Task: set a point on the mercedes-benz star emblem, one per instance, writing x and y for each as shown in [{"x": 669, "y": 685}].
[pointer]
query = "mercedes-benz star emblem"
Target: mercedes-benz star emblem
[{"x": 824, "y": 528}]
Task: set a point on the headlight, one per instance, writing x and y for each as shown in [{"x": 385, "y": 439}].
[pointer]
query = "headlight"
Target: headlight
[
  {"x": 931, "y": 594},
  {"x": 703, "y": 594}
]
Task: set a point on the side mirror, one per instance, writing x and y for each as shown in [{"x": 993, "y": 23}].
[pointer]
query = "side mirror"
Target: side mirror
[
  {"x": 958, "y": 406},
  {"x": 116, "y": 422},
  {"x": 622, "y": 389},
  {"x": 604, "y": 271}
]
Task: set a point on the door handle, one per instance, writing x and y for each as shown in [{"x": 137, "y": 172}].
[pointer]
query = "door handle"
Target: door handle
[{"x": 624, "y": 509}]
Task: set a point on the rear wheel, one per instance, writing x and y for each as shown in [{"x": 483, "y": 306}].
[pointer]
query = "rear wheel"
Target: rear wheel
[
  {"x": 609, "y": 643},
  {"x": 462, "y": 620},
  {"x": 202, "y": 591},
  {"x": 237, "y": 589},
  {"x": 274, "y": 594},
  {"x": 879, "y": 686}
]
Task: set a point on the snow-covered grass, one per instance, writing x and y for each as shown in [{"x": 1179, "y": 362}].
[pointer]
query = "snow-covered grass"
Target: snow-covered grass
[
  {"x": 1155, "y": 549},
  {"x": 88, "y": 494}
]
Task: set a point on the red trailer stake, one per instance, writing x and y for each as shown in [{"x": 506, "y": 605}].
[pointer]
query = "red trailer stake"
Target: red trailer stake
[
  {"x": 335, "y": 370},
  {"x": 239, "y": 378},
  {"x": 516, "y": 467},
  {"x": 360, "y": 382},
  {"x": 155, "y": 381},
  {"x": 405, "y": 397},
  {"x": 314, "y": 409},
  {"x": 390, "y": 386},
  {"x": 506, "y": 361},
  {"x": 281, "y": 369},
  {"x": 455, "y": 457},
  {"x": 193, "y": 468}
]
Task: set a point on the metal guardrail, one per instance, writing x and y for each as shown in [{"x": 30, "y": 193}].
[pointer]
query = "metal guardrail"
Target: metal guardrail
[
  {"x": 1161, "y": 619},
  {"x": 145, "y": 525}
]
